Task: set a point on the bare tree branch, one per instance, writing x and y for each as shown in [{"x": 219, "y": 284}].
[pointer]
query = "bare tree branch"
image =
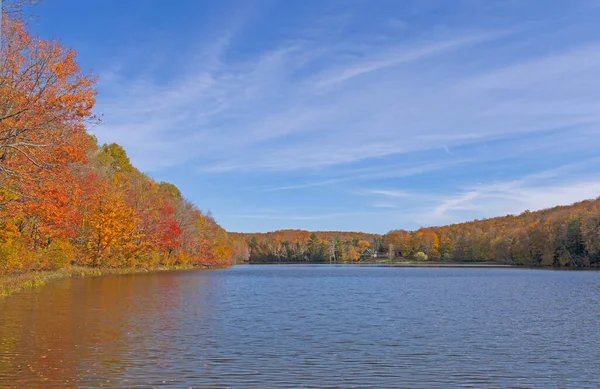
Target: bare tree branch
[{"x": 12, "y": 8}]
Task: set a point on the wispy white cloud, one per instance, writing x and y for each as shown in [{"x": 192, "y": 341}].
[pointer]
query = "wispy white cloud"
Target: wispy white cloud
[
  {"x": 455, "y": 203},
  {"x": 570, "y": 63},
  {"x": 306, "y": 184},
  {"x": 285, "y": 216},
  {"x": 396, "y": 56},
  {"x": 563, "y": 185},
  {"x": 496, "y": 201},
  {"x": 230, "y": 116},
  {"x": 263, "y": 114},
  {"x": 328, "y": 110},
  {"x": 387, "y": 192},
  {"x": 381, "y": 172},
  {"x": 384, "y": 205}
]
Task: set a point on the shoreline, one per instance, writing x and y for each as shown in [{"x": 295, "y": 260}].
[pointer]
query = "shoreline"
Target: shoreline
[
  {"x": 14, "y": 283},
  {"x": 468, "y": 264},
  {"x": 397, "y": 264},
  {"x": 386, "y": 263}
]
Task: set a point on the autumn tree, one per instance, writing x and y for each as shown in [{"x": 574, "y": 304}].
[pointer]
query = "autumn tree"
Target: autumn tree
[
  {"x": 110, "y": 225},
  {"x": 45, "y": 101}
]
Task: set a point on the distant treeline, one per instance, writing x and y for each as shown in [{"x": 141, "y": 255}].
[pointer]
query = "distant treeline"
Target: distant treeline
[
  {"x": 304, "y": 246},
  {"x": 559, "y": 236}
]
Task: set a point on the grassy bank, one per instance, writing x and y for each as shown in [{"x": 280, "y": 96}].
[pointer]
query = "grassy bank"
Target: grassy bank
[{"x": 10, "y": 284}]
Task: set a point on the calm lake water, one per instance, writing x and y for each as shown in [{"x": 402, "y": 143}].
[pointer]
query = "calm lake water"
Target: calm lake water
[{"x": 307, "y": 327}]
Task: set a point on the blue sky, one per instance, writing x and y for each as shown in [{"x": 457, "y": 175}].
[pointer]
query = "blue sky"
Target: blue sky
[{"x": 348, "y": 115}]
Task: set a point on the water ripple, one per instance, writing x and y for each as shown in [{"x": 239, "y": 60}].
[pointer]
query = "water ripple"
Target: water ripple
[{"x": 307, "y": 327}]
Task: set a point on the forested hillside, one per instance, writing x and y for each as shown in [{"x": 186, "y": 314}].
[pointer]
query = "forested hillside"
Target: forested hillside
[
  {"x": 560, "y": 236},
  {"x": 66, "y": 200}
]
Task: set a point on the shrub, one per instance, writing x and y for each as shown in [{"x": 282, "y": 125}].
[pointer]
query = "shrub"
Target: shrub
[
  {"x": 421, "y": 256},
  {"x": 14, "y": 257},
  {"x": 564, "y": 257},
  {"x": 60, "y": 253}
]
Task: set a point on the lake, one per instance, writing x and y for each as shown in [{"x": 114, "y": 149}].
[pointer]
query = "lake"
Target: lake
[{"x": 307, "y": 327}]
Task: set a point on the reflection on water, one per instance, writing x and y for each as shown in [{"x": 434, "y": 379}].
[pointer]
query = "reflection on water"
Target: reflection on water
[
  {"x": 102, "y": 331},
  {"x": 309, "y": 327}
]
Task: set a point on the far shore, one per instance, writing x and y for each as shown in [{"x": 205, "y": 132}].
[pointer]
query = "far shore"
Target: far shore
[
  {"x": 412, "y": 263},
  {"x": 391, "y": 264},
  {"x": 396, "y": 262}
]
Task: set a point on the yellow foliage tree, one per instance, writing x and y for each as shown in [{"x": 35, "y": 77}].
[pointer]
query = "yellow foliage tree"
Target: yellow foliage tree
[
  {"x": 112, "y": 229},
  {"x": 352, "y": 254}
]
